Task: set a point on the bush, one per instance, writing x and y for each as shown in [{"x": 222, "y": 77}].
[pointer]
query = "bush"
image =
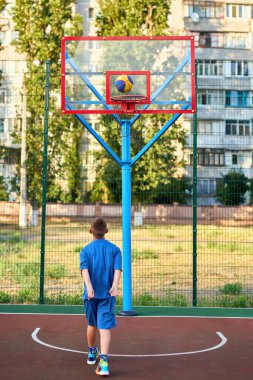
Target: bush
[
  {"x": 231, "y": 288},
  {"x": 176, "y": 191},
  {"x": 4, "y": 297},
  {"x": 64, "y": 299},
  {"x": 170, "y": 299},
  {"x": 30, "y": 295},
  {"x": 232, "y": 188},
  {"x": 230, "y": 297},
  {"x": 3, "y": 190}
]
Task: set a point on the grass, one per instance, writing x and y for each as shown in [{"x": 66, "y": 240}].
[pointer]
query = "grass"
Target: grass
[
  {"x": 56, "y": 271},
  {"x": 140, "y": 255},
  {"x": 161, "y": 269},
  {"x": 232, "y": 289}
]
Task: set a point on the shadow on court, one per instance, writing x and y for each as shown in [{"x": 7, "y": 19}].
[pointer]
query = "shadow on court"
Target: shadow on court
[{"x": 157, "y": 348}]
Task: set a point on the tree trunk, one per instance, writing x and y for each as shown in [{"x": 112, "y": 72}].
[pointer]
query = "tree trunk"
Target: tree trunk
[{"x": 34, "y": 214}]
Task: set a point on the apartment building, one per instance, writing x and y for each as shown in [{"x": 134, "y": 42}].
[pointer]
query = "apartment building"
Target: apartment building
[
  {"x": 223, "y": 33},
  {"x": 89, "y": 9},
  {"x": 13, "y": 67}
]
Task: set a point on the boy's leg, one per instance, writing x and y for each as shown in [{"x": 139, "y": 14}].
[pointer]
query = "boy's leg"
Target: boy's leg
[
  {"x": 91, "y": 315},
  {"x": 105, "y": 340},
  {"x": 91, "y": 335},
  {"x": 106, "y": 321},
  {"x": 91, "y": 340}
]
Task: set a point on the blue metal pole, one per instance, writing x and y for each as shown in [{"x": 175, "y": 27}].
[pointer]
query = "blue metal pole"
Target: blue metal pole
[{"x": 126, "y": 218}]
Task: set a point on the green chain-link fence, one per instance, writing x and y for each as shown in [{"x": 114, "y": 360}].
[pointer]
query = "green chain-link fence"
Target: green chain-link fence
[{"x": 166, "y": 238}]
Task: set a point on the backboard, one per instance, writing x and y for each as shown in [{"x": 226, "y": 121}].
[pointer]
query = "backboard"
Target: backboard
[{"x": 162, "y": 70}]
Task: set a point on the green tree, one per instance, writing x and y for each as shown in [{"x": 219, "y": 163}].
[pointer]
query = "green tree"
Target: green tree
[
  {"x": 232, "y": 188},
  {"x": 160, "y": 163},
  {"x": 2, "y": 7},
  {"x": 73, "y": 166},
  {"x": 3, "y": 190},
  {"x": 46, "y": 21},
  {"x": 133, "y": 18}
]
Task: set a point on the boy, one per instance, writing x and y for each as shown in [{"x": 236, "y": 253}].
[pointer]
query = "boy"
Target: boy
[{"x": 101, "y": 266}]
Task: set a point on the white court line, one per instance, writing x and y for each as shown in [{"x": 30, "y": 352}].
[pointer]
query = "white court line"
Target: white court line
[{"x": 222, "y": 343}]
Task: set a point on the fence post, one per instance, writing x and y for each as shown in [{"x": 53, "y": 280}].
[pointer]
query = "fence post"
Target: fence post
[
  {"x": 44, "y": 185},
  {"x": 194, "y": 199}
]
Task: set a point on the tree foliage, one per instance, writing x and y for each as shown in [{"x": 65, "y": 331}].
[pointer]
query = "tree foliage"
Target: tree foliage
[
  {"x": 160, "y": 162},
  {"x": 3, "y": 190},
  {"x": 232, "y": 188},
  {"x": 133, "y": 18},
  {"x": 2, "y": 7},
  {"x": 46, "y": 21}
]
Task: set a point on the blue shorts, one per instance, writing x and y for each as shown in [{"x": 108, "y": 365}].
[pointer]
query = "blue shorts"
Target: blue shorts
[{"x": 100, "y": 312}]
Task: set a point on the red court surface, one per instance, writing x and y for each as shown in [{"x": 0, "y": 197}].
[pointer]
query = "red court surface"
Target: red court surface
[{"x": 157, "y": 348}]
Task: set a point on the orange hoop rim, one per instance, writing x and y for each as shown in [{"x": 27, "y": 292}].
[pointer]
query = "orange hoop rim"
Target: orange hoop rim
[{"x": 132, "y": 98}]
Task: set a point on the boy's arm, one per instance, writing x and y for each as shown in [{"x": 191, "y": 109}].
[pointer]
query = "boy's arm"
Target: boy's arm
[
  {"x": 114, "y": 289},
  {"x": 87, "y": 281}
]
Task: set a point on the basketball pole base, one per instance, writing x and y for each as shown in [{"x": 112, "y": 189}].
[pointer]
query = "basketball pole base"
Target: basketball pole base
[{"x": 125, "y": 313}]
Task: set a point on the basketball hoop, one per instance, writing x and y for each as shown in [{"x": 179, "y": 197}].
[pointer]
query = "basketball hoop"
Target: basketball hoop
[{"x": 127, "y": 103}]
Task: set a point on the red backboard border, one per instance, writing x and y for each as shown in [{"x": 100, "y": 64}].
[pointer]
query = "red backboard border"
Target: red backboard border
[{"x": 141, "y": 38}]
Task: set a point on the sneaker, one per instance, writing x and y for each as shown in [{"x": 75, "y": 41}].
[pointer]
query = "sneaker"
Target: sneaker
[
  {"x": 102, "y": 368},
  {"x": 92, "y": 355}
]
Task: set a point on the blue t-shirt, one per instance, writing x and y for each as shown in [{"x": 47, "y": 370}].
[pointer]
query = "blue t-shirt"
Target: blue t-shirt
[{"x": 101, "y": 258}]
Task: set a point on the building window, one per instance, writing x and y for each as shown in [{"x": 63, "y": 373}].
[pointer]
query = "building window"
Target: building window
[
  {"x": 238, "y": 68},
  {"x": 211, "y": 40},
  {"x": 6, "y": 37},
  {"x": 244, "y": 127},
  {"x": 231, "y": 127},
  {"x": 205, "y": 127},
  {"x": 209, "y": 157},
  {"x": 210, "y": 97},
  {"x": 2, "y": 67},
  {"x": 205, "y": 40},
  {"x": 206, "y": 186},
  {"x": 204, "y": 97},
  {"x": 91, "y": 13},
  {"x": 208, "y": 127},
  {"x": 221, "y": 40},
  {"x": 238, "y": 127},
  {"x": 239, "y": 11},
  {"x": 241, "y": 99},
  {"x": 2, "y": 96},
  {"x": 210, "y": 68},
  {"x": 1, "y": 125},
  {"x": 205, "y": 9},
  {"x": 236, "y": 40},
  {"x": 234, "y": 159}
]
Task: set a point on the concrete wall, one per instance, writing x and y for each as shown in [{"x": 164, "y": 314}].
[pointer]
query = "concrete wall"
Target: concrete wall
[{"x": 151, "y": 214}]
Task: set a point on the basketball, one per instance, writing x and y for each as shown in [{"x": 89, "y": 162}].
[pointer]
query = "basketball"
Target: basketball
[{"x": 124, "y": 83}]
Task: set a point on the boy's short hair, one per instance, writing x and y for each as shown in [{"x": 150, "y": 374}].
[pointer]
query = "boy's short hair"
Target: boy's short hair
[{"x": 99, "y": 227}]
